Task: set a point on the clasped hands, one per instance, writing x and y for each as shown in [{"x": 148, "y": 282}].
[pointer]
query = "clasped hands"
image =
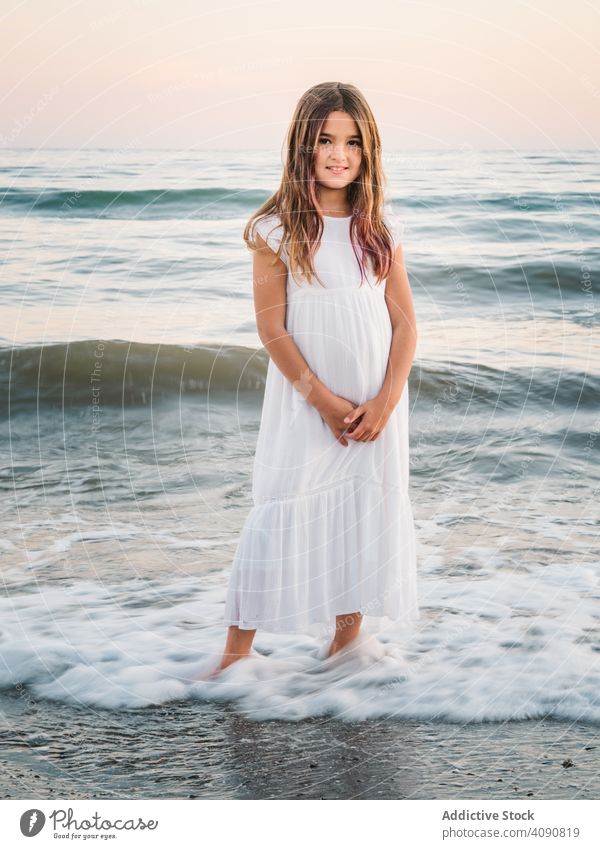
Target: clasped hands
[{"x": 359, "y": 422}]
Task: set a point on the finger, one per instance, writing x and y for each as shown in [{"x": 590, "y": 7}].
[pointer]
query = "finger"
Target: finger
[
  {"x": 352, "y": 427},
  {"x": 367, "y": 433},
  {"x": 340, "y": 437},
  {"x": 359, "y": 432},
  {"x": 354, "y": 414}
]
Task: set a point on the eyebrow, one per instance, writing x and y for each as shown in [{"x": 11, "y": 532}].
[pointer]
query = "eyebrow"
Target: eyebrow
[{"x": 348, "y": 139}]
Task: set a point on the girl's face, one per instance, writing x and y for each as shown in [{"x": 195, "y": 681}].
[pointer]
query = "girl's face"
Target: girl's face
[{"x": 339, "y": 151}]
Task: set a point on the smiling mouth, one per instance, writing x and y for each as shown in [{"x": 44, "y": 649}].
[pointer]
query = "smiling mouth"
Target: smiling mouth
[{"x": 336, "y": 169}]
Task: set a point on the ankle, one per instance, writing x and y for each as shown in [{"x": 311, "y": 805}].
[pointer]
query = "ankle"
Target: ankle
[
  {"x": 341, "y": 641},
  {"x": 231, "y": 657}
]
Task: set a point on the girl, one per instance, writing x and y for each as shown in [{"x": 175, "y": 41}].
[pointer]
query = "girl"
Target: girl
[{"x": 330, "y": 537}]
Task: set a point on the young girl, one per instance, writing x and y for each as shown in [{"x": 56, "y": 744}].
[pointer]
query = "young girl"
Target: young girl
[{"x": 330, "y": 537}]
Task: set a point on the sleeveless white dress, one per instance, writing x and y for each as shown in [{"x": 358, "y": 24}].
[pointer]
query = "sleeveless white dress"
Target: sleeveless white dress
[{"x": 331, "y": 530}]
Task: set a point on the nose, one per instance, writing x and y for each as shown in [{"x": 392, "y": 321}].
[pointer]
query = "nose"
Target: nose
[{"x": 337, "y": 155}]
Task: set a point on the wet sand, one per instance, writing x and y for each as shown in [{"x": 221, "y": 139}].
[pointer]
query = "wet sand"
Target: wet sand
[{"x": 191, "y": 749}]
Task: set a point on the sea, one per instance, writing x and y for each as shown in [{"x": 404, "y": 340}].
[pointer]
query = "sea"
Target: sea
[{"x": 132, "y": 380}]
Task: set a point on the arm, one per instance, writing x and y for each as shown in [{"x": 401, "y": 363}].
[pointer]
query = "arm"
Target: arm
[
  {"x": 398, "y": 297},
  {"x": 270, "y": 275},
  {"x": 269, "y": 281}
]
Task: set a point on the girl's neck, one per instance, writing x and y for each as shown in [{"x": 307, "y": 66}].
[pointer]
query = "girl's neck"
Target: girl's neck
[{"x": 334, "y": 205}]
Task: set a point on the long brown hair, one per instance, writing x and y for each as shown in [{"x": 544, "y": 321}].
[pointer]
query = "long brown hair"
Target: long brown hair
[{"x": 295, "y": 201}]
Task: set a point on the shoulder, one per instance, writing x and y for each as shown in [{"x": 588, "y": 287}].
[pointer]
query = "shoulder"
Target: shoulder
[{"x": 270, "y": 228}]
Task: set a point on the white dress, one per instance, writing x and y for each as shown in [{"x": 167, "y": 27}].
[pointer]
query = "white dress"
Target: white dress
[{"x": 331, "y": 530}]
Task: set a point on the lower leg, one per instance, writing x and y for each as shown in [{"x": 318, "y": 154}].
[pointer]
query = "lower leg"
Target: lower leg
[
  {"x": 347, "y": 628},
  {"x": 239, "y": 643}
]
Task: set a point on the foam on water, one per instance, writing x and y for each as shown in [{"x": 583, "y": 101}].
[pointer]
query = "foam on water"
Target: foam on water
[{"x": 498, "y": 647}]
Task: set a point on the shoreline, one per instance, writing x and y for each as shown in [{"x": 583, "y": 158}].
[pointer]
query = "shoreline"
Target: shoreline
[{"x": 199, "y": 750}]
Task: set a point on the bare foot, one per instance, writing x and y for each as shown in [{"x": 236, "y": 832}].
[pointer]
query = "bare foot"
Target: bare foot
[
  {"x": 222, "y": 665},
  {"x": 347, "y": 630},
  {"x": 233, "y": 658},
  {"x": 334, "y": 648},
  {"x": 338, "y": 646},
  {"x": 207, "y": 676}
]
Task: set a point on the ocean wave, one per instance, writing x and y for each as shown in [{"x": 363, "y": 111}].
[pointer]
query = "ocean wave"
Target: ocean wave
[
  {"x": 213, "y": 203},
  {"x": 114, "y": 373},
  {"x": 565, "y": 276},
  {"x": 219, "y": 202}
]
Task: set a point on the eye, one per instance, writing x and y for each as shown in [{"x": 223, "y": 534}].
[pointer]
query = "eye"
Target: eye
[{"x": 352, "y": 142}]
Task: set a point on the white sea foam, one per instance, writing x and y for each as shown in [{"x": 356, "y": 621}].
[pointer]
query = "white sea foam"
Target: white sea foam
[{"x": 506, "y": 646}]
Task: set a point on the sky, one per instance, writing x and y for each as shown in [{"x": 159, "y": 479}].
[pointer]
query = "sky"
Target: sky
[{"x": 208, "y": 75}]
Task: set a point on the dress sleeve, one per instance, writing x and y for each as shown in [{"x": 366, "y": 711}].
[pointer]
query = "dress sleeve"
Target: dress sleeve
[{"x": 271, "y": 230}]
